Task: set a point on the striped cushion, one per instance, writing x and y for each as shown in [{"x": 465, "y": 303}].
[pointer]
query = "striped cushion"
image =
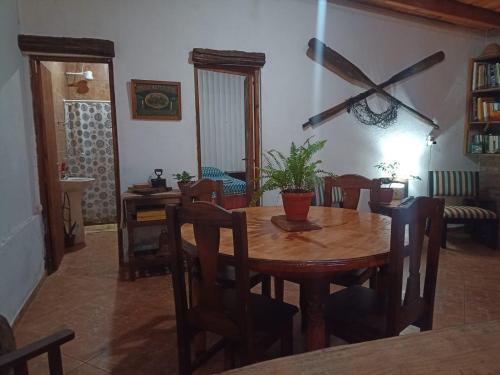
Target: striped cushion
[
  {"x": 467, "y": 212},
  {"x": 319, "y": 194},
  {"x": 211, "y": 172},
  {"x": 232, "y": 186},
  {"x": 454, "y": 183}
]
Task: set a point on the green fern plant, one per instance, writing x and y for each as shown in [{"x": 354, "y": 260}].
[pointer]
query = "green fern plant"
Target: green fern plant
[{"x": 295, "y": 173}]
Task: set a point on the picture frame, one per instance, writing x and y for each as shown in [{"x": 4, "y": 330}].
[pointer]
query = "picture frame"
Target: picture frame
[{"x": 156, "y": 100}]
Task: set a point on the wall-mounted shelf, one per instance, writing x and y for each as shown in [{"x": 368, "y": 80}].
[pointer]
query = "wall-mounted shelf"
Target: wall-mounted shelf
[{"x": 482, "y": 120}]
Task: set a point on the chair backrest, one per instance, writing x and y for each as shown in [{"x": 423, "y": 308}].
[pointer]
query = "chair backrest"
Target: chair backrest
[
  {"x": 319, "y": 194},
  {"x": 453, "y": 183},
  {"x": 207, "y": 312},
  {"x": 409, "y": 224},
  {"x": 351, "y": 185},
  {"x": 204, "y": 190}
]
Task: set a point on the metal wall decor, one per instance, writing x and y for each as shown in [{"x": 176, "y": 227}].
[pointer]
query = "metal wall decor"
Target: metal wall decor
[{"x": 338, "y": 64}]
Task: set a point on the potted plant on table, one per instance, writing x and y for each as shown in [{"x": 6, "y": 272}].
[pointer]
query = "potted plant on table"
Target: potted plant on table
[
  {"x": 294, "y": 175},
  {"x": 389, "y": 192},
  {"x": 183, "y": 179}
]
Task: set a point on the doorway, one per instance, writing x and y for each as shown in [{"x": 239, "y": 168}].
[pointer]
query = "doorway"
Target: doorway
[
  {"x": 76, "y": 140},
  {"x": 228, "y": 130}
]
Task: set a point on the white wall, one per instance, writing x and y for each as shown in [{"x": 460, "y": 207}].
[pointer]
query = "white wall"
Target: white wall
[
  {"x": 21, "y": 241},
  {"x": 153, "y": 39}
]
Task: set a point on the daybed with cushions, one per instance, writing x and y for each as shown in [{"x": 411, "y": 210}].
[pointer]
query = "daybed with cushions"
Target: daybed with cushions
[{"x": 234, "y": 190}]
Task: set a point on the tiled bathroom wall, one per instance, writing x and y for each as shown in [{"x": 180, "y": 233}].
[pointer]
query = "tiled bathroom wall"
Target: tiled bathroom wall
[
  {"x": 62, "y": 89},
  {"x": 98, "y": 87}
]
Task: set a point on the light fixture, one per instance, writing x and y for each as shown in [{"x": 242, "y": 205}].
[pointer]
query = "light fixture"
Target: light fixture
[{"x": 88, "y": 75}]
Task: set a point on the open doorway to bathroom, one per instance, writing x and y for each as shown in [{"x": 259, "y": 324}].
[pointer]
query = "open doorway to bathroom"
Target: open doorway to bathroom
[{"x": 73, "y": 99}]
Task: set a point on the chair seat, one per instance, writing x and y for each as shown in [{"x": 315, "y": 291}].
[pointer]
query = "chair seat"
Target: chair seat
[
  {"x": 356, "y": 309},
  {"x": 354, "y": 277},
  {"x": 227, "y": 277},
  {"x": 268, "y": 314},
  {"x": 467, "y": 212}
]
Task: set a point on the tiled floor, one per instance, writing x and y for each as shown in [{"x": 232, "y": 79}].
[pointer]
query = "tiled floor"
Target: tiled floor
[{"x": 129, "y": 327}]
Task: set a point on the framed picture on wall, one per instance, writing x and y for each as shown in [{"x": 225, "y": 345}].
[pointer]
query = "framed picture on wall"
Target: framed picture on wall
[{"x": 156, "y": 100}]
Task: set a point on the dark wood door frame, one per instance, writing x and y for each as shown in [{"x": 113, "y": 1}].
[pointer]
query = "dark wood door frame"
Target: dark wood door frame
[
  {"x": 252, "y": 120},
  {"x": 41, "y": 48}
]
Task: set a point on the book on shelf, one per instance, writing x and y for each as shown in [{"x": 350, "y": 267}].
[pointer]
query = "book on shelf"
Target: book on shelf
[
  {"x": 485, "y": 75},
  {"x": 485, "y": 109},
  {"x": 484, "y": 143},
  {"x": 150, "y": 213}
]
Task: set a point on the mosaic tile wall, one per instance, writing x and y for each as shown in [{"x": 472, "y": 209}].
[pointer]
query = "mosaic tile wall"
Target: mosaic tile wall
[{"x": 90, "y": 154}]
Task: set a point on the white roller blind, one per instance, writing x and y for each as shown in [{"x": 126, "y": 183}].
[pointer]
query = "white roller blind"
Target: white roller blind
[{"x": 222, "y": 120}]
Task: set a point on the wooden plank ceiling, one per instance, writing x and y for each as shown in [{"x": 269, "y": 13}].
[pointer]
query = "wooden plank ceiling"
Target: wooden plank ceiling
[{"x": 476, "y": 14}]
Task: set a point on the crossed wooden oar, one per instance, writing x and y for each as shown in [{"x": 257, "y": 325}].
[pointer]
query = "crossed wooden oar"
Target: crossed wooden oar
[{"x": 338, "y": 64}]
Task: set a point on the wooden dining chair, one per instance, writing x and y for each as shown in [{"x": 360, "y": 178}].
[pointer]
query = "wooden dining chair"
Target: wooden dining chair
[
  {"x": 344, "y": 191},
  {"x": 213, "y": 191},
  {"x": 14, "y": 361},
  {"x": 248, "y": 323},
  {"x": 358, "y": 313},
  {"x": 204, "y": 190},
  {"x": 351, "y": 186}
]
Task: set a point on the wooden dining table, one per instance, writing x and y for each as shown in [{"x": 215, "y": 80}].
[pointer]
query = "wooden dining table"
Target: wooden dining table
[
  {"x": 347, "y": 240},
  {"x": 468, "y": 349}
]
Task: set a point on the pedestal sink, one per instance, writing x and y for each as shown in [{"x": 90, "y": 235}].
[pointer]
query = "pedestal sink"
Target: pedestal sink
[{"x": 75, "y": 187}]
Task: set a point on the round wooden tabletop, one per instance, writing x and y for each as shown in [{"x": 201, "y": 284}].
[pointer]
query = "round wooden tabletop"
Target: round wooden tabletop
[{"x": 347, "y": 240}]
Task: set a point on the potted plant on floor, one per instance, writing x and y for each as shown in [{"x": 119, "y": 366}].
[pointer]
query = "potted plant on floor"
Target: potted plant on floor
[
  {"x": 389, "y": 191},
  {"x": 183, "y": 179},
  {"x": 294, "y": 175}
]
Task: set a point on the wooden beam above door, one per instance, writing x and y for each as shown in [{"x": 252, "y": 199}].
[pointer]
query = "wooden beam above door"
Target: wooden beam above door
[
  {"x": 37, "y": 44},
  {"x": 473, "y": 14},
  {"x": 202, "y": 57}
]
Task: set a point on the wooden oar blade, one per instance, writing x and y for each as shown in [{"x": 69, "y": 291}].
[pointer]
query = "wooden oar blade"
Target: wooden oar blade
[
  {"x": 335, "y": 62},
  {"x": 422, "y": 65}
]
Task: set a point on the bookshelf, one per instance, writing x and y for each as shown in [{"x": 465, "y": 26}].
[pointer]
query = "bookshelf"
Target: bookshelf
[{"x": 482, "y": 122}]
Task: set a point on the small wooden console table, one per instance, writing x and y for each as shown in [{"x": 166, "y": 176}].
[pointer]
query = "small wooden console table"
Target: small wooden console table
[{"x": 140, "y": 261}]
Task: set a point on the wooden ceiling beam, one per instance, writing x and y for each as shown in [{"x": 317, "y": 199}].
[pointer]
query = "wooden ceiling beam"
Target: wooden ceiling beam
[{"x": 450, "y": 11}]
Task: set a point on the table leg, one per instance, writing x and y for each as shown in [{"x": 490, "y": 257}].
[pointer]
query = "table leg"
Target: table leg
[{"x": 316, "y": 292}]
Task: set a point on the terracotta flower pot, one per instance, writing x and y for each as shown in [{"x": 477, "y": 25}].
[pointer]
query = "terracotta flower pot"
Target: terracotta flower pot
[
  {"x": 386, "y": 195},
  {"x": 183, "y": 185},
  {"x": 296, "y": 205}
]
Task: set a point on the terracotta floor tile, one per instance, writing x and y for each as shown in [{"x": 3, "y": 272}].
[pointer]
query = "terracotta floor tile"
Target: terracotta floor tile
[
  {"x": 85, "y": 369},
  {"x": 129, "y": 327}
]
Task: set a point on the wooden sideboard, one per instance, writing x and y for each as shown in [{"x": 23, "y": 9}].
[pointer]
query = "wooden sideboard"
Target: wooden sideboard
[{"x": 153, "y": 259}]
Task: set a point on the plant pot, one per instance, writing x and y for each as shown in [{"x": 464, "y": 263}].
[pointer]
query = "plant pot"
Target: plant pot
[
  {"x": 399, "y": 193},
  {"x": 183, "y": 185},
  {"x": 296, "y": 205},
  {"x": 386, "y": 195}
]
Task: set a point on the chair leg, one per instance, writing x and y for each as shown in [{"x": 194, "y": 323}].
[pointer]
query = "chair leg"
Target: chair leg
[
  {"x": 373, "y": 279},
  {"x": 279, "y": 287},
  {"x": 443, "y": 235},
  {"x": 494, "y": 235},
  {"x": 287, "y": 340},
  {"x": 229, "y": 357},
  {"x": 266, "y": 286},
  {"x": 55, "y": 362},
  {"x": 303, "y": 307}
]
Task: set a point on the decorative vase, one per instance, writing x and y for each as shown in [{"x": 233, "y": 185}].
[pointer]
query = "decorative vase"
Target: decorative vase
[
  {"x": 386, "y": 195},
  {"x": 296, "y": 205}
]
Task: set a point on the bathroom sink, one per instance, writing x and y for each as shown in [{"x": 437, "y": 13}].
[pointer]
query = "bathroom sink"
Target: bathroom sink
[
  {"x": 74, "y": 187},
  {"x": 70, "y": 184}
]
